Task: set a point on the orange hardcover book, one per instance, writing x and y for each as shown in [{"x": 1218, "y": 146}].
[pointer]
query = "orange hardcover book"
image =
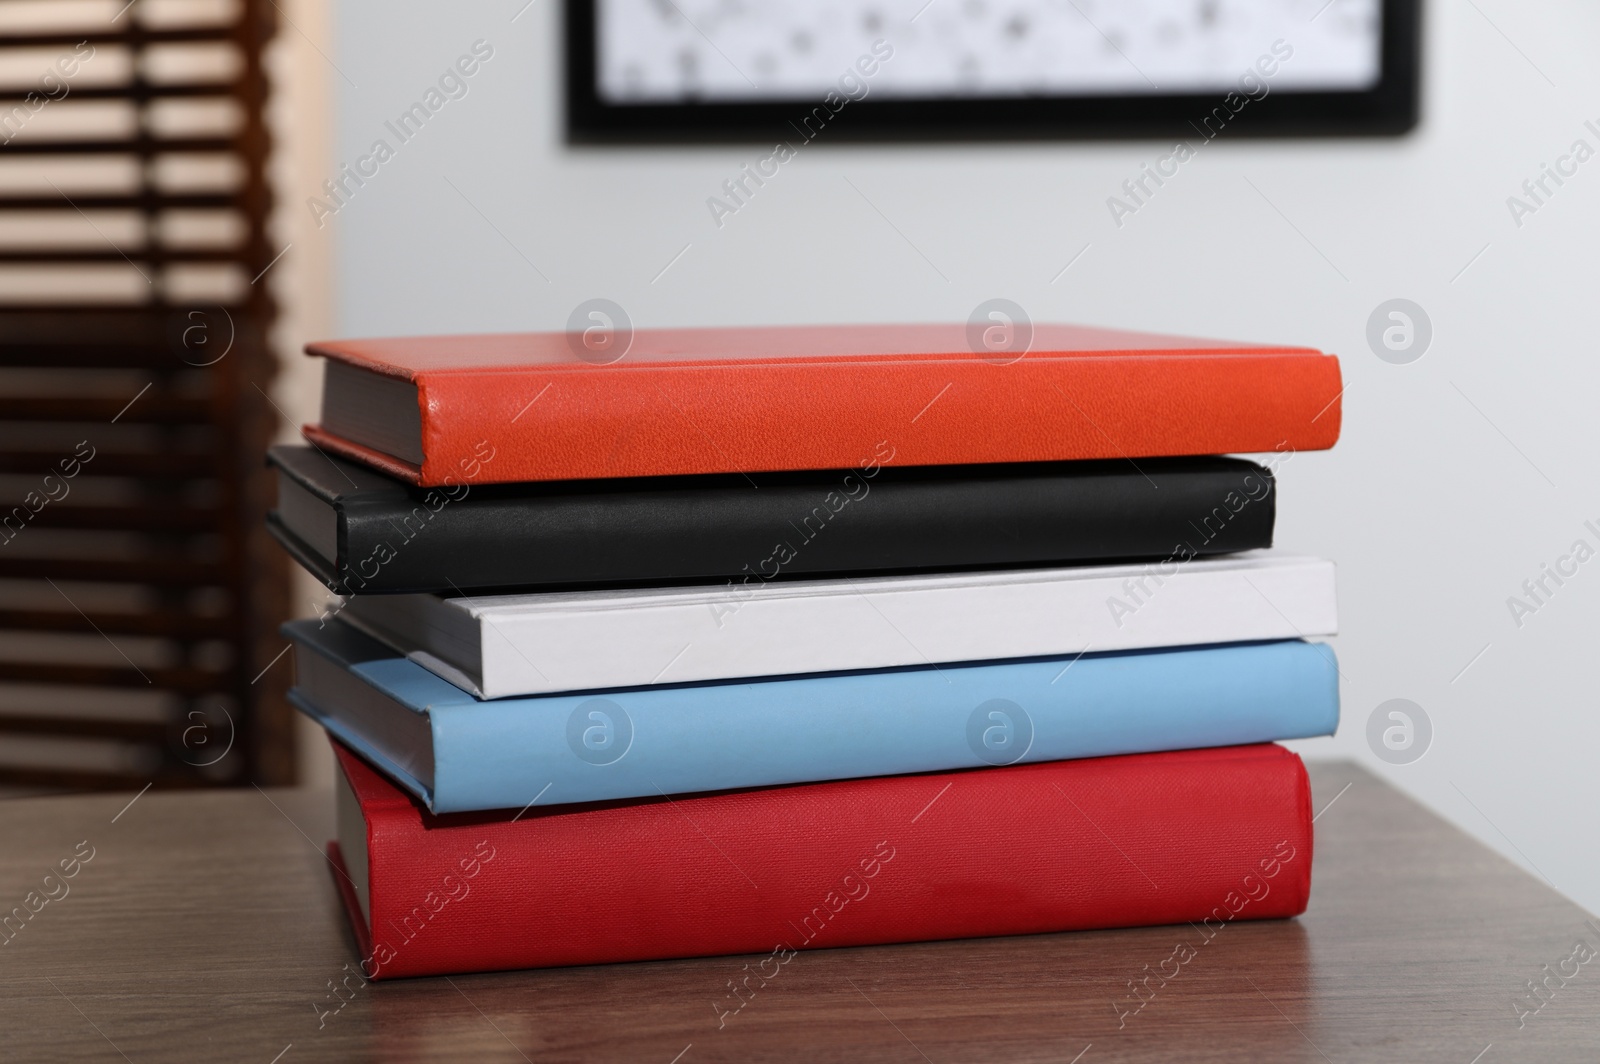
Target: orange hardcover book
[{"x": 565, "y": 406}]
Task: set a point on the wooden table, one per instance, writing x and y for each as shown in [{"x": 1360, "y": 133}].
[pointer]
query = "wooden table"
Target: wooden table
[{"x": 206, "y": 928}]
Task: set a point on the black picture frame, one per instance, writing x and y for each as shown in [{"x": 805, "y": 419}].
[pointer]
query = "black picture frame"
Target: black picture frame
[{"x": 1389, "y": 108}]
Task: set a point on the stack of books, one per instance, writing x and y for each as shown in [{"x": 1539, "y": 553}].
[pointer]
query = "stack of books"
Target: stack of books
[{"x": 758, "y": 640}]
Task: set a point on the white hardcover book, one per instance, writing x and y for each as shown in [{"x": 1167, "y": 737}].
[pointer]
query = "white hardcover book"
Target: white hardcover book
[{"x": 505, "y": 645}]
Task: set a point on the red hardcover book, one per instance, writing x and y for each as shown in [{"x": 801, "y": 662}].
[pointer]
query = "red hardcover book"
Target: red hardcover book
[
  {"x": 543, "y": 406},
  {"x": 1201, "y": 836}
]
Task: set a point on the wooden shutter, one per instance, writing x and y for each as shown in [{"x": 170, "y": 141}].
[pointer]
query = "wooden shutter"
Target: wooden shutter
[{"x": 139, "y": 599}]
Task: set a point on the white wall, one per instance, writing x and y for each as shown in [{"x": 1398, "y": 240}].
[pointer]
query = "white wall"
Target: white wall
[{"x": 1436, "y": 505}]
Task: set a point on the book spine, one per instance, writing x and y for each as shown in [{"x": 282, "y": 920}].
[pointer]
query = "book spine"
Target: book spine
[
  {"x": 890, "y": 623},
  {"x": 1209, "y": 837},
  {"x": 858, "y": 521},
  {"x": 749, "y": 418},
  {"x": 676, "y": 740}
]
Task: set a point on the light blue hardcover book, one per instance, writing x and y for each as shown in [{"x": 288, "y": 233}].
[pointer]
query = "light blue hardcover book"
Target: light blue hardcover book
[{"x": 458, "y": 753}]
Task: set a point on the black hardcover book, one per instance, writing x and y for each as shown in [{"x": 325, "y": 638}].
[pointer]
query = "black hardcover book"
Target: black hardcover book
[{"x": 360, "y": 532}]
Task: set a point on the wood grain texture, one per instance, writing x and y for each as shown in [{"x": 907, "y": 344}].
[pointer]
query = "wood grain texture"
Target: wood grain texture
[{"x": 206, "y": 928}]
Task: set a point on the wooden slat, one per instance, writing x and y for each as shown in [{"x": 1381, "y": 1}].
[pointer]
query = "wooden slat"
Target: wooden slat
[
  {"x": 142, "y": 91},
  {"x": 150, "y": 201},
  {"x": 162, "y": 466},
  {"x": 165, "y": 625},
  {"x": 123, "y": 146},
  {"x": 89, "y": 780},
  {"x": 142, "y": 731},
  {"x": 158, "y": 255},
  {"x": 98, "y": 315},
  {"x": 145, "y": 409},
  {"x": 101, "y": 356},
  {"x": 161, "y": 573},
  {"x": 131, "y": 518},
  {"x": 189, "y": 681},
  {"x": 132, "y": 34}
]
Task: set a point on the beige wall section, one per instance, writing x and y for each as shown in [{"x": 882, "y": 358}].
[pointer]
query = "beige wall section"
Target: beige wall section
[{"x": 301, "y": 119}]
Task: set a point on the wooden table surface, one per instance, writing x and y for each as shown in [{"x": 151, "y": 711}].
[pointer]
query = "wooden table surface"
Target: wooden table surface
[{"x": 205, "y": 927}]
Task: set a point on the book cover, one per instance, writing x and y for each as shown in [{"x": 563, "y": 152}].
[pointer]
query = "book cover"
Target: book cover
[
  {"x": 458, "y": 754},
  {"x": 507, "y": 645},
  {"x": 1205, "y": 837},
  {"x": 543, "y": 406},
  {"x": 360, "y": 532}
]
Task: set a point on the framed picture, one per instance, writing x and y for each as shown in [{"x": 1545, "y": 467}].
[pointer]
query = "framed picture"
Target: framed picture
[{"x": 678, "y": 71}]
